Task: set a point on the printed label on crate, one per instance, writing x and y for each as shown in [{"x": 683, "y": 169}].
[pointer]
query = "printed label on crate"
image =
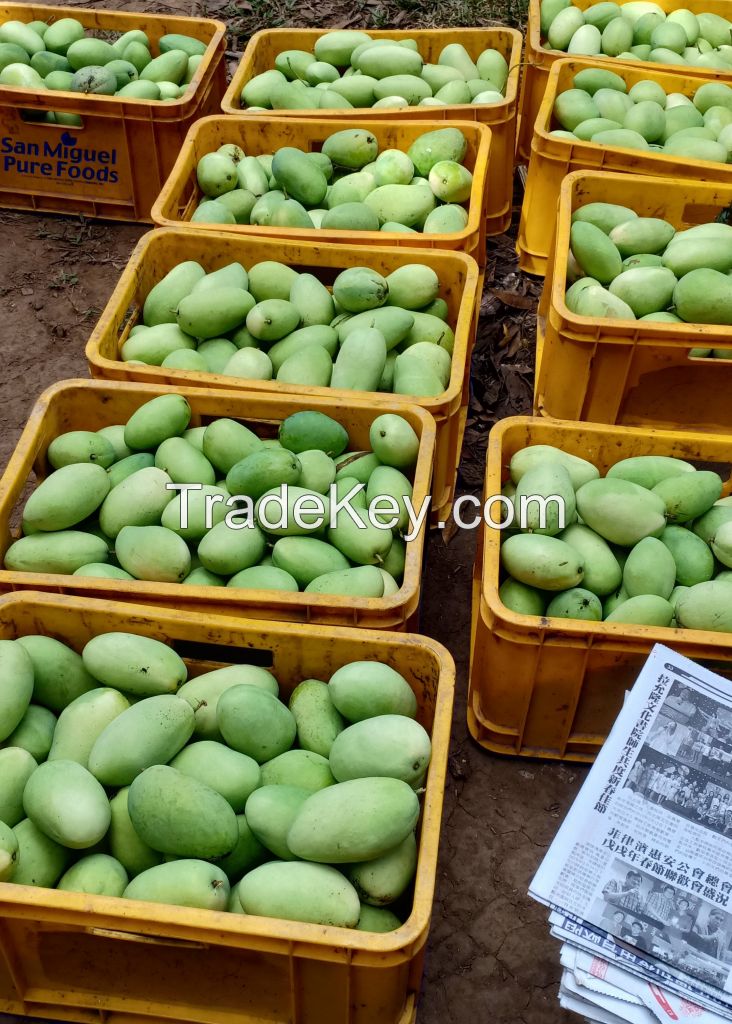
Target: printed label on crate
[{"x": 57, "y": 159}]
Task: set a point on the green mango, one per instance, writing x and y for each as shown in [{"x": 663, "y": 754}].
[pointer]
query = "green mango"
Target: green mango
[
  {"x": 392, "y": 746},
  {"x": 77, "y": 446},
  {"x": 620, "y": 511},
  {"x": 309, "y": 430},
  {"x": 154, "y": 553},
  {"x": 358, "y": 289},
  {"x": 643, "y": 610},
  {"x": 226, "y": 550},
  {"x": 547, "y": 481},
  {"x": 41, "y": 861},
  {"x": 88, "y": 52},
  {"x": 82, "y": 721},
  {"x": 60, "y": 676},
  {"x": 67, "y": 804},
  {"x": 721, "y": 544},
  {"x": 227, "y": 442},
  {"x": 150, "y": 732},
  {"x": 16, "y": 669},
  {"x": 255, "y": 723},
  {"x": 336, "y": 47},
  {"x": 300, "y": 892},
  {"x": 689, "y": 495},
  {"x": 263, "y": 470},
  {"x": 138, "y": 665},
  {"x": 353, "y": 821},
  {"x": 361, "y": 581},
  {"x": 139, "y": 500},
  {"x": 16, "y": 766},
  {"x": 302, "y": 768},
  {"x": 520, "y": 598},
  {"x": 693, "y": 559},
  {"x": 706, "y": 606},
  {"x": 8, "y": 852},
  {"x": 168, "y": 67},
  {"x": 231, "y": 774},
  {"x": 307, "y": 558},
  {"x": 360, "y": 362},
  {"x": 62, "y": 552},
  {"x": 649, "y": 470},
  {"x": 358, "y": 538},
  {"x": 317, "y": 719},
  {"x": 395, "y": 324},
  {"x": 256, "y": 92},
  {"x": 155, "y": 421},
  {"x": 184, "y": 883},
  {"x": 247, "y": 854},
  {"x": 603, "y": 574},
  {"x": 543, "y": 562},
  {"x": 155, "y": 344},
  {"x": 213, "y": 312},
  {"x": 352, "y": 148},
  {"x": 177, "y": 41},
  {"x": 177, "y": 814},
  {"x": 407, "y": 204},
  {"x": 59, "y": 36},
  {"x": 350, "y": 216},
  {"x": 66, "y": 497},
  {"x": 311, "y": 368},
  {"x": 97, "y": 874},
  {"x": 299, "y": 176},
  {"x": 365, "y": 689},
  {"x": 576, "y": 603},
  {"x": 313, "y": 302},
  {"x": 134, "y": 35},
  {"x": 34, "y": 733},
  {"x": 649, "y": 569},
  {"x": 382, "y": 881},
  {"x": 203, "y": 693}
]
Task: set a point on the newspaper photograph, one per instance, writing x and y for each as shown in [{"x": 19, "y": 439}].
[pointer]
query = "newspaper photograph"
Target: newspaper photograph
[{"x": 644, "y": 856}]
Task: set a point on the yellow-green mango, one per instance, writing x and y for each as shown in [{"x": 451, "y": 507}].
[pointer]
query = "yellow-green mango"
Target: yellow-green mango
[
  {"x": 649, "y": 569},
  {"x": 153, "y": 553},
  {"x": 580, "y": 470},
  {"x": 98, "y": 874},
  {"x": 255, "y": 722},
  {"x": 382, "y": 881},
  {"x": 82, "y": 721},
  {"x": 180, "y": 815},
  {"x": 66, "y": 497},
  {"x": 317, "y": 719},
  {"x": 303, "y": 768},
  {"x": 160, "y": 418},
  {"x": 311, "y": 893},
  {"x": 693, "y": 559},
  {"x": 16, "y": 767},
  {"x": 235, "y": 776},
  {"x": 67, "y": 804},
  {"x": 203, "y": 692},
  {"x": 140, "y": 665},
  {"x": 124, "y": 842},
  {"x": 41, "y": 861},
  {"x": 183, "y": 883},
  {"x": 649, "y": 470},
  {"x": 543, "y": 562},
  {"x": 603, "y": 574},
  {"x": 270, "y": 813},
  {"x": 357, "y": 820},
  {"x": 80, "y": 446},
  {"x": 620, "y": 511},
  {"x": 575, "y": 603},
  {"x": 393, "y": 746},
  {"x": 366, "y": 689},
  {"x": 34, "y": 732},
  {"x": 150, "y": 732},
  {"x": 16, "y": 686},
  {"x": 689, "y": 495},
  {"x": 643, "y": 610},
  {"x": 706, "y": 606},
  {"x": 361, "y": 581}
]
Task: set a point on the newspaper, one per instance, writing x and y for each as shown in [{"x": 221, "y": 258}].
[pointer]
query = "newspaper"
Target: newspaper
[{"x": 640, "y": 872}]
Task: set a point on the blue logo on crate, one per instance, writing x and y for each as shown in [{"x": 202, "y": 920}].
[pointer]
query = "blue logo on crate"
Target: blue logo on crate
[{"x": 62, "y": 158}]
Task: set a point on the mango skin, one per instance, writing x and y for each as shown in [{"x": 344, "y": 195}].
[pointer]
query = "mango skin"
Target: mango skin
[
  {"x": 176, "y": 814},
  {"x": 354, "y": 821},
  {"x": 16, "y": 691},
  {"x": 707, "y": 606},
  {"x": 81, "y": 722},
  {"x": 139, "y": 665},
  {"x": 203, "y": 693},
  {"x": 60, "y": 676},
  {"x": 41, "y": 861},
  {"x": 382, "y": 881},
  {"x": 365, "y": 689},
  {"x": 183, "y": 883},
  {"x": 98, "y": 874},
  {"x": 67, "y": 803},
  {"x": 124, "y": 843},
  {"x": 255, "y": 722},
  {"x": 16, "y": 767},
  {"x": 300, "y": 892},
  {"x": 543, "y": 562},
  {"x": 271, "y": 811},
  {"x": 317, "y": 719},
  {"x": 150, "y": 732},
  {"x": 235, "y": 776},
  {"x": 392, "y": 746}
]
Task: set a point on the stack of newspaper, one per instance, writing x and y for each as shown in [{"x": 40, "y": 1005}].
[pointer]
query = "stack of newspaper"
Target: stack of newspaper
[{"x": 639, "y": 877}]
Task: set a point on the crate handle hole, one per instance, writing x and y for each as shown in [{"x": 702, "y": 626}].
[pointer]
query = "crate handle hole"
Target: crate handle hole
[{"x": 224, "y": 654}]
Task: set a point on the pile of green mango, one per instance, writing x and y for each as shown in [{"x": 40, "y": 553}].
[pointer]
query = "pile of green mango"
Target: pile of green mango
[
  {"x": 122, "y": 776},
  {"x": 638, "y": 31},
  {"x": 625, "y": 267},
  {"x": 350, "y": 69},
  {"x": 650, "y": 543},
  {"x": 63, "y": 57},
  {"x": 106, "y": 509},
  {"x": 367, "y": 333},
  {"x": 601, "y": 109},
  {"x": 348, "y": 184}
]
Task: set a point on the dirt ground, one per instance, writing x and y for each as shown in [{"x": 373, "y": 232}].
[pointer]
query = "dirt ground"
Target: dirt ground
[{"x": 489, "y": 955}]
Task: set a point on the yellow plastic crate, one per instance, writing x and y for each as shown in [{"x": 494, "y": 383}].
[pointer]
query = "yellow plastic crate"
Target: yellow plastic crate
[
  {"x": 553, "y": 158},
  {"x": 539, "y": 60},
  {"x": 158, "y": 251},
  {"x": 259, "y": 134},
  {"x": 89, "y": 405},
  {"x": 627, "y": 371},
  {"x": 125, "y": 148},
  {"x": 76, "y": 957},
  {"x": 264, "y": 46},
  {"x": 543, "y": 687}
]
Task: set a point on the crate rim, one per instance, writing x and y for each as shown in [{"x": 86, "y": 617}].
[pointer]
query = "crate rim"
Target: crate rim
[
  {"x": 111, "y": 104},
  {"x": 678, "y": 331},
  {"x": 411, "y": 254},
  {"x": 576, "y": 629},
  {"x": 228, "y": 103},
  {"x": 544, "y": 117},
  {"x": 476, "y": 207},
  {"x": 225, "y": 926},
  {"x": 10, "y": 478}
]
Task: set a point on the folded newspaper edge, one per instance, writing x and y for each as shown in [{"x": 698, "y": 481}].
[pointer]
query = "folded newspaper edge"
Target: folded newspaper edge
[{"x": 639, "y": 876}]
